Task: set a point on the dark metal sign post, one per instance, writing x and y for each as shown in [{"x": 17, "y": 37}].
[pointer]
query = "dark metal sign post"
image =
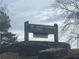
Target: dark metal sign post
[{"x": 41, "y": 31}]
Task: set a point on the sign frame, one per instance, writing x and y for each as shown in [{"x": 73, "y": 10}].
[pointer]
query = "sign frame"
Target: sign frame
[{"x": 41, "y": 29}]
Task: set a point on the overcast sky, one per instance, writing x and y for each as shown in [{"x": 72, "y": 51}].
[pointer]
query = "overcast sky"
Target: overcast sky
[
  {"x": 19, "y": 10},
  {"x": 34, "y": 11}
]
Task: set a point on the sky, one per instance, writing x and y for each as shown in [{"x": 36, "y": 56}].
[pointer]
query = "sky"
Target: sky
[
  {"x": 22, "y": 10},
  {"x": 34, "y": 11}
]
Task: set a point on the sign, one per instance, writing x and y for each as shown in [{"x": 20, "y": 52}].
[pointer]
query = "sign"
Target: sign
[
  {"x": 41, "y": 31},
  {"x": 39, "y": 35}
]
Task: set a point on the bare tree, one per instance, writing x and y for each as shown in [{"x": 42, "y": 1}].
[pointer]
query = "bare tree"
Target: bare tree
[{"x": 70, "y": 27}]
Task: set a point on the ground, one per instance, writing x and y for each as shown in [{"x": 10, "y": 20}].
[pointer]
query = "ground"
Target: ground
[{"x": 73, "y": 54}]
